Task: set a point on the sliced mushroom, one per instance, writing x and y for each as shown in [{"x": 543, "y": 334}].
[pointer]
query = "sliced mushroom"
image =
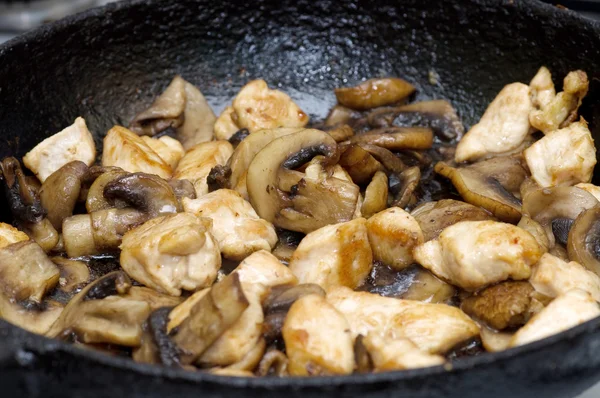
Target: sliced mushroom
[
  {"x": 25, "y": 205},
  {"x": 427, "y": 288},
  {"x": 434, "y": 217},
  {"x": 220, "y": 308},
  {"x": 402, "y": 187},
  {"x": 182, "y": 189},
  {"x": 341, "y": 133},
  {"x": 73, "y": 274},
  {"x": 101, "y": 231},
  {"x": 273, "y": 363},
  {"x": 584, "y": 240},
  {"x": 156, "y": 346},
  {"x": 546, "y": 205},
  {"x": 359, "y": 164},
  {"x": 439, "y": 115},
  {"x": 389, "y": 161},
  {"x": 373, "y": 93},
  {"x": 166, "y": 111},
  {"x": 287, "y": 244},
  {"x": 397, "y": 138},
  {"x": 339, "y": 115},
  {"x": 484, "y": 191},
  {"x": 506, "y": 305},
  {"x": 278, "y": 303},
  {"x": 98, "y": 177},
  {"x": 238, "y": 137},
  {"x": 376, "y": 195},
  {"x": 146, "y": 192},
  {"x": 246, "y": 151},
  {"x": 507, "y": 170},
  {"x": 155, "y": 299},
  {"x": 37, "y": 319},
  {"x": 60, "y": 192},
  {"x": 199, "y": 119},
  {"x": 311, "y": 203},
  {"x": 26, "y": 273}
]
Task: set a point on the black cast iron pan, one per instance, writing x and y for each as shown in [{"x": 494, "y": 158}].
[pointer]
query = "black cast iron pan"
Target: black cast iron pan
[{"x": 108, "y": 63}]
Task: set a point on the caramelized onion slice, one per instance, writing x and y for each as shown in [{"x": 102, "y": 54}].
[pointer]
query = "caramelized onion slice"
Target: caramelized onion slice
[
  {"x": 374, "y": 93},
  {"x": 397, "y": 138}
]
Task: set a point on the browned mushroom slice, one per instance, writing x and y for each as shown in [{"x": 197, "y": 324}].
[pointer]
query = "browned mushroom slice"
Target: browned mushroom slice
[
  {"x": 166, "y": 111},
  {"x": 288, "y": 242},
  {"x": 278, "y": 303},
  {"x": 238, "y": 137},
  {"x": 550, "y": 204},
  {"x": 434, "y": 217},
  {"x": 273, "y": 363},
  {"x": 220, "y": 309},
  {"x": 26, "y": 273},
  {"x": 60, "y": 192},
  {"x": 25, "y": 205},
  {"x": 439, "y": 115},
  {"x": 374, "y": 93},
  {"x": 359, "y": 164},
  {"x": 397, "y": 138},
  {"x": 428, "y": 288},
  {"x": 156, "y": 346},
  {"x": 88, "y": 234},
  {"x": 155, "y": 299},
  {"x": 341, "y": 133},
  {"x": 37, "y": 319},
  {"x": 98, "y": 315},
  {"x": 403, "y": 186},
  {"x": 146, "y": 192},
  {"x": 73, "y": 274},
  {"x": 339, "y": 115},
  {"x": 481, "y": 190},
  {"x": 390, "y": 162},
  {"x": 584, "y": 240},
  {"x": 101, "y": 176},
  {"x": 376, "y": 195},
  {"x": 199, "y": 119},
  {"x": 246, "y": 151},
  {"x": 506, "y": 305},
  {"x": 309, "y": 204},
  {"x": 182, "y": 189},
  {"x": 507, "y": 170}
]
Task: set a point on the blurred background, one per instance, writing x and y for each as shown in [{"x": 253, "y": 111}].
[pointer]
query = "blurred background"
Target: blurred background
[{"x": 19, "y": 16}]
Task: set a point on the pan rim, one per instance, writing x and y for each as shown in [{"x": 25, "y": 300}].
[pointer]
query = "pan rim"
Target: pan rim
[{"x": 465, "y": 364}]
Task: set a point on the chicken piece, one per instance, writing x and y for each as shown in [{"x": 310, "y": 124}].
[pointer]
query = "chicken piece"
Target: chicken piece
[
  {"x": 73, "y": 143},
  {"x": 506, "y": 305},
  {"x": 10, "y": 235},
  {"x": 257, "y": 107},
  {"x": 494, "y": 341},
  {"x": 393, "y": 234},
  {"x": 317, "y": 339},
  {"x": 169, "y": 149},
  {"x": 335, "y": 255},
  {"x": 502, "y": 128},
  {"x": 475, "y": 254},
  {"x": 125, "y": 149},
  {"x": 225, "y": 126},
  {"x": 552, "y": 277},
  {"x": 559, "y": 110},
  {"x": 591, "y": 188},
  {"x": 236, "y": 226},
  {"x": 172, "y": 253},
  {"x": 541, "y": 88},
  {"x": 182, "y": 311},
  {"x": 566, "y": 311},
  {"x": 563, "y": 157},
  {"x": 397, "y": 354},
  {"x": 434, "y": 328},
  {"x": 258, "y": 273},
  {"x": 199, "y": 160}
]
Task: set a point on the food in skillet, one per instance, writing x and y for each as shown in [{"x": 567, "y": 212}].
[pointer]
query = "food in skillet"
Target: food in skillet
[{"x": 258, "y": 243}]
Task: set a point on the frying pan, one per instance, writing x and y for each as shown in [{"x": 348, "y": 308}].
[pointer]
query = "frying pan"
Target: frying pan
[{"x": 109, "y": 63}]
